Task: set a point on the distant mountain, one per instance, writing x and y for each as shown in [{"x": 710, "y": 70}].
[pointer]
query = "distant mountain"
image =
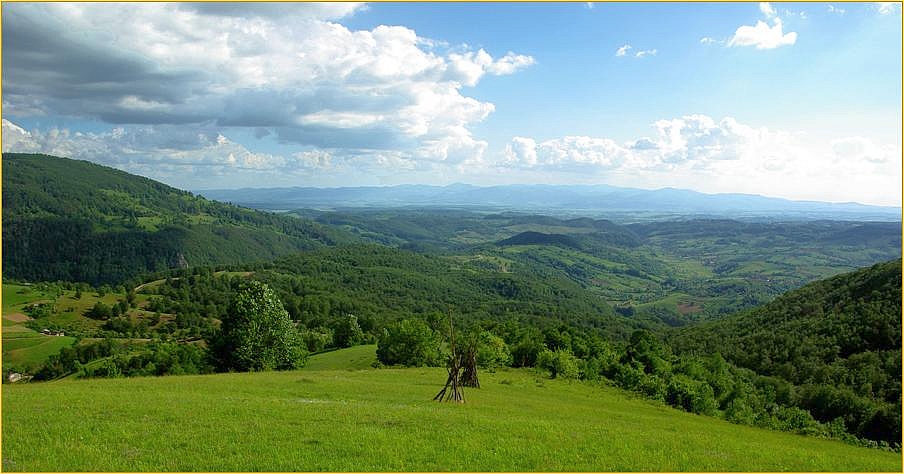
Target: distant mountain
[
  {"x": 595, "y": 200},
  {"x": 74, "y": 220}
]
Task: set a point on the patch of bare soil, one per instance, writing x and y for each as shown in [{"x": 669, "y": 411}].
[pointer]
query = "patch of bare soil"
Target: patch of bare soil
[{"x": 16, "y": 317}]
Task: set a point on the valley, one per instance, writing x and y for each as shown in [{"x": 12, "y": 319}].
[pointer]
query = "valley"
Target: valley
[{"x": 754, "y": 326}]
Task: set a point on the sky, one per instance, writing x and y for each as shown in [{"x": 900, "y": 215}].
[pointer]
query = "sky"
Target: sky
[{"x": 794, "y": 100}]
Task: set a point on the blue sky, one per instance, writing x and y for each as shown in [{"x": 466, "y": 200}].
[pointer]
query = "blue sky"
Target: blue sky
[{"x": 794, "y": 100}]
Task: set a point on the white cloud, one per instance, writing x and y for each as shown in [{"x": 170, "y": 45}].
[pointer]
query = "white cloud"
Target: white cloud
[
  {"x": 708, "y": 40},
  {"x": 285, "y": 70},
  {"x": 762, "y": 36},
  {"x": 834, "y": 9},
  {"x": 588, "y": 5},
  {"x": 767, "y": 9},
  {"x": 860, "y": 150},
  {"x": 624, "y": 51},
  {"x": 698, "y": 152},
  {"x": 142, "y": 147},
  {"x": 887, "y": 8}
]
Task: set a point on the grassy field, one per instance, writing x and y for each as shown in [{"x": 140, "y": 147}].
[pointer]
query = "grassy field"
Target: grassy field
[
  {"x": 353, "y": 358},
  {"x": 383, "y": 420}
]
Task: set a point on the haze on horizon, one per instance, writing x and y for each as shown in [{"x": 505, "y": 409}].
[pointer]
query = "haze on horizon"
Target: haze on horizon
[{"x": 794, "y": 100}]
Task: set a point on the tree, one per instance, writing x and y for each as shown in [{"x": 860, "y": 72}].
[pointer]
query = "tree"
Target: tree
[
  {"x": 409, "y": 342},
  {"x": 561, "y": 363},
  {"x": 347, "y": 332},
  {"x": 257, "y": 333},
  {"x": 492, "y": 352},
  {"x": 99, "y": 311}
]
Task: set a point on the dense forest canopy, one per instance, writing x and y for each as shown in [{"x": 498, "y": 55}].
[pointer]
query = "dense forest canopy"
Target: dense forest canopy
[{"x": 74, "y": 220}]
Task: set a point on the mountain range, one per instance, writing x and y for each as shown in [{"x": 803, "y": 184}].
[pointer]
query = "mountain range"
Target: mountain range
[{"x": 600, "y": 200}]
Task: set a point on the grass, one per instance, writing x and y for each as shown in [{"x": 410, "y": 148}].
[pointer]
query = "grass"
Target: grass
[
  {"x": 32, "y": 351},
  {"x": 16, "y": 296},
  {"x": 384, "y": 420},
  {"x": 353, "y": 358}
]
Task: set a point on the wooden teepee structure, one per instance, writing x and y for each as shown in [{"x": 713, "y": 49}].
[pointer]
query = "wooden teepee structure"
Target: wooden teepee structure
[
  {"x": 452, "y": 390},
  {"x": 469, "y": 371}
]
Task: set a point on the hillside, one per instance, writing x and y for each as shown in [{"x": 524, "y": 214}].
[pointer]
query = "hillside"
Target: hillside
[
  {"x": 74, "y": 220},
  {"x": 665, "y": 273},
  {"x": 384, "y": 420},
  {"x": 837, "y": 341}
]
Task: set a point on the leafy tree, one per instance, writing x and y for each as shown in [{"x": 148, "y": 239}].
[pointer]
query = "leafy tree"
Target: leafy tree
[
  {"x": 257, "y": 333},
  {"x": 524, "y": 354},
  {"x": 691, "y": 395},
  {"x": 347, "y": 332},
  {"x": 100, "y": 311},
  {"x": 317, "y": 339},
  {"x": 561, "y": 363},
  {"x": 409, "y": 342},
  {"x": 492, "y": 352}
]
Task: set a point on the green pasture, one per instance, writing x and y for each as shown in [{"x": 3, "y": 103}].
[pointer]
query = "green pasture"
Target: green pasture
[{"x": 384, "y": 420}]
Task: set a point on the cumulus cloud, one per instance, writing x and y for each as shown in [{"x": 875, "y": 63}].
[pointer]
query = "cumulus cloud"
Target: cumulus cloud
[
  {"x": 762, "y": 36},
  {"x": 699, "y": 152},
  {"x": 834, "y": 9},
  {"x": 708, "y": 40},
  {"x": 285, "y": 70},
  {"x": 134, "y": 148},
  {"x": 646, "y": 52}
]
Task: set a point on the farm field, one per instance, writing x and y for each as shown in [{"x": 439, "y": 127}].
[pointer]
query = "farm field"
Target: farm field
[{"x": 384, "y": 420}]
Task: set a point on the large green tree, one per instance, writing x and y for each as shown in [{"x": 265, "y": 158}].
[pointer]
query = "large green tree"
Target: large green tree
[
  {"x": 257, "y": 333},
  {"x": 409, "y": 342}
]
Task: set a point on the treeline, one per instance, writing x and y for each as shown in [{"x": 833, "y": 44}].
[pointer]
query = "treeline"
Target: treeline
[
  {"x": 109, "y": 358},
  {"x": 706, "y": 385}
]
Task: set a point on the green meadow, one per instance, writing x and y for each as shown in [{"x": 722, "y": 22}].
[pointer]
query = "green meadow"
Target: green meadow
[{"x": 332, "y": 416}]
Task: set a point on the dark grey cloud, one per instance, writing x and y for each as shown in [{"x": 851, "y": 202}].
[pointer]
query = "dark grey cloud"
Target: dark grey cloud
[
  {"x": 276, "y": 10},
  {"x": 371, "y": 138},
  {"x": 41, "y": 58},
  {"x": 274, "y": 68}
]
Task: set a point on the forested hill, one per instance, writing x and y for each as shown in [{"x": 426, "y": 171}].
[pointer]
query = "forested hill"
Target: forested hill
[
  {"x": 74, "y": 220},
  {"x": 838, "y": 341}
]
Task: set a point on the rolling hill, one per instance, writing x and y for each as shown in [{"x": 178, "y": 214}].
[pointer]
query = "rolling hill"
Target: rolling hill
[
  {"x": 74, "y": 220},
  {"x": 836, "y": 341}
]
